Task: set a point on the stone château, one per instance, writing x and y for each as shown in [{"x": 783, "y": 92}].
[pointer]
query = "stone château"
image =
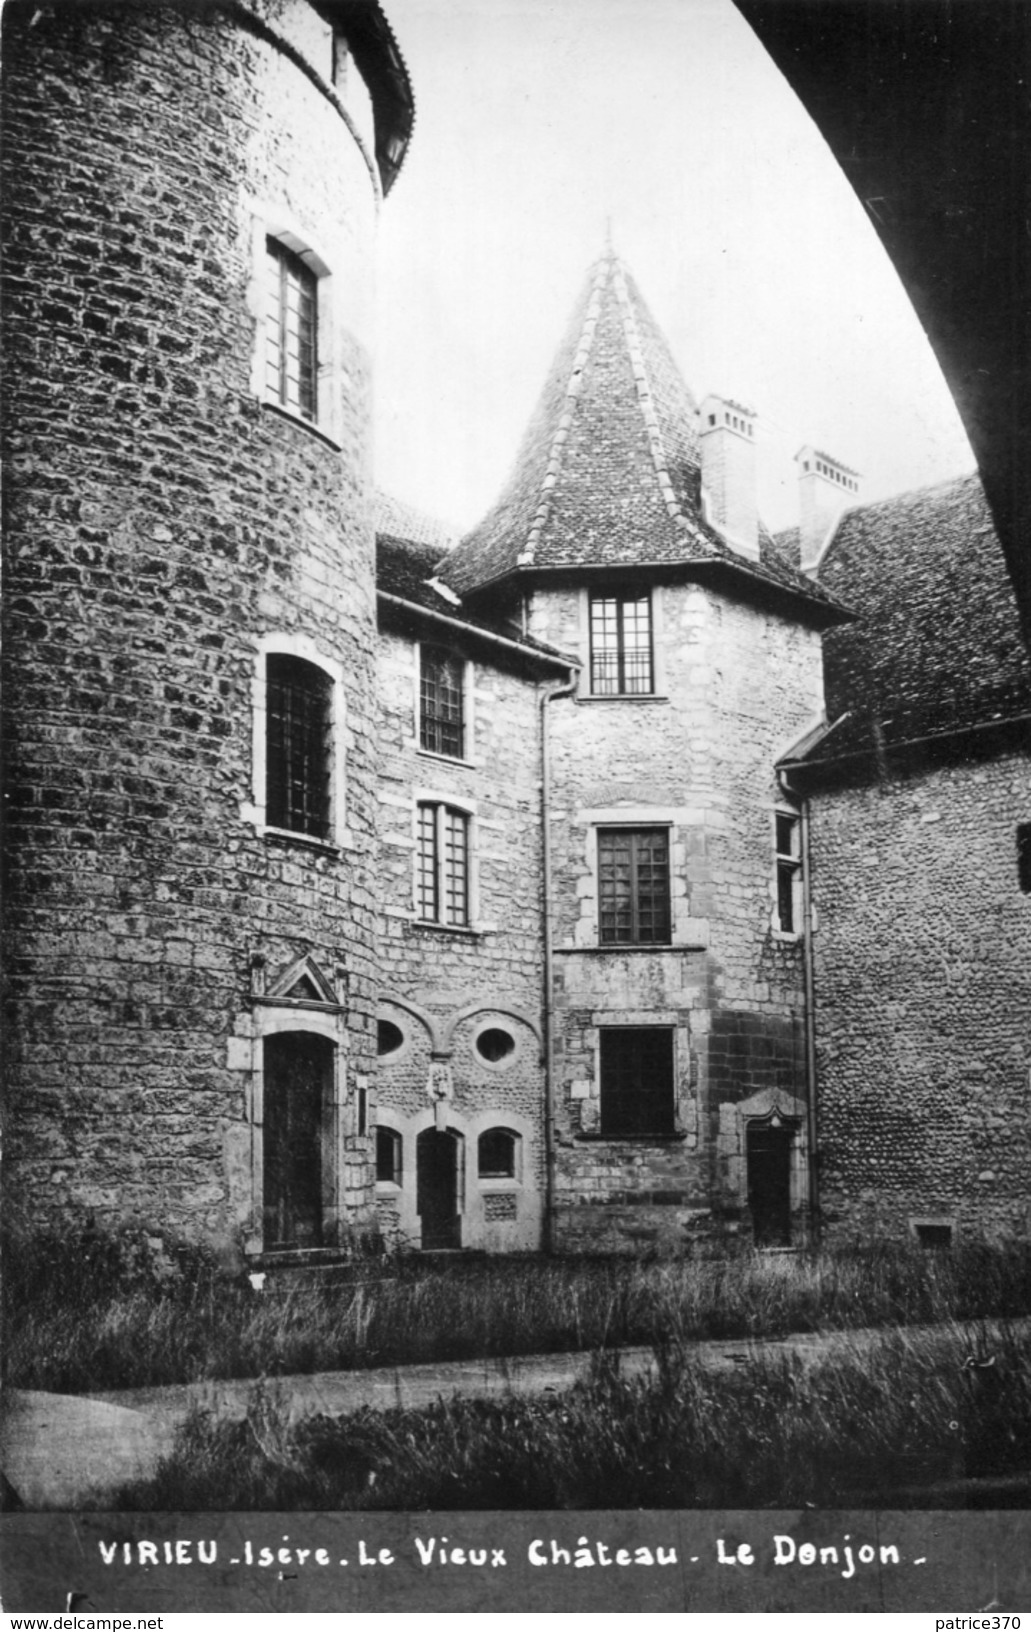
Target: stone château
[{"x": 619, "y": 877}]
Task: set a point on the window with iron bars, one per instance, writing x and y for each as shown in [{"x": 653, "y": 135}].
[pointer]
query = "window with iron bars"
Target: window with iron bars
[
  {"x": 441, "y": 702},
  {"x": 621, "y": 643},
  {"x": 291, "y": 364},
  {"x": 637, "y": 1098},
  {"x": 633, "y": 885},
  {"x": 298, "y": 753},
  {"x": 442, "y": 883},
  {"x": 789, "y": 871}
]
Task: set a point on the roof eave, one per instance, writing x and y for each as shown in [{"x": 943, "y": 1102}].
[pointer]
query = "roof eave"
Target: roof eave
[
  {"x": 823, "y": 609},
  {"x": 550, "y": 657},
  {"x": 382, "y": 66}
]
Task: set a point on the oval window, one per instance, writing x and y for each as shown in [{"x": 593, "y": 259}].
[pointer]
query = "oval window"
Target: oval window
[
  {"x": 495, "y": 1044},
  {"x": 388, "y": 1037}
]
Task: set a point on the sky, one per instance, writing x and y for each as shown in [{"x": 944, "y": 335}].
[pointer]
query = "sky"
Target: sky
[{"x": 540, "y": 125}]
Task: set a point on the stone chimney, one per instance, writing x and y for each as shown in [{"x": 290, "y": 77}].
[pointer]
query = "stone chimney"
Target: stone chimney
[
  {"x": 727, "y": 436},
  {"x": 825, "y": 489}
]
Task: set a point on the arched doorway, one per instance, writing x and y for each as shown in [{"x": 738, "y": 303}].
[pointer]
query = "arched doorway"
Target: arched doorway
[
  {"x": 438, "y": 1189},
  {"x": 769, "y": 1147},
  {"x": 298, "y": 1089}
]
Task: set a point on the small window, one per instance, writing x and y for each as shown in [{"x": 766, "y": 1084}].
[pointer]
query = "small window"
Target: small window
[
  {"x": 388, "y": 1156},
  {"x": 291, "y": 364},
  {"x": 621, "y": 644},
  {"x": 389, "y": 1038},
  {"x": 935, "y": 1237},
  {"x": 496, "y": 1154},
  {"x": 495, "y": 1044},
  {"x": 633, "y": 886},
  {"x": 1024, "y": 856},
  {"x": 298, "y": 750},
  {"x": 637, "y": 1098},
  {"x": 443, "y": 865},
  {"x": 789, "y": 871},
  {"x": 441, "y": 708}
]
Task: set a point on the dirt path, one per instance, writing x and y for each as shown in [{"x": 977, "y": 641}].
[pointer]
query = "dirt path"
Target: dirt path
[{"x": 61, "y": 1450}]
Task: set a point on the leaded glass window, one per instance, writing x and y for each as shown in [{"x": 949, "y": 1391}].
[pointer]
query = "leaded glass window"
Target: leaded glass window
[
  {"x": 633, "y": 885},
  {"x": 441, "y": 710},
  {"x": 298, "y": 753}
]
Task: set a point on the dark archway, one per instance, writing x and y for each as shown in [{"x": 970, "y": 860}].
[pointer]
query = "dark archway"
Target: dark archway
[
  {"x": 437, "y": 1188},
  {"x": 768, "y": 1148}
]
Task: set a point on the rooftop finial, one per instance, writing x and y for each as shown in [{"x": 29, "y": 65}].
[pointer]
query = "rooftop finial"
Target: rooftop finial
[{"x": 609, "y": 250}]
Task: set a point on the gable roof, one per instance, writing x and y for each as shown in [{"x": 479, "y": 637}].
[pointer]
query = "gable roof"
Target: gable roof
[
  {"x": 608, "y": 474},
  {"x": 937, "y": 646}
]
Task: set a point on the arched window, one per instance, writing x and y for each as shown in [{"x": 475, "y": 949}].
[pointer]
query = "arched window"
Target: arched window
[
  {"x": 298, "y": 758},
  {"x": 497, "y": 1153}
]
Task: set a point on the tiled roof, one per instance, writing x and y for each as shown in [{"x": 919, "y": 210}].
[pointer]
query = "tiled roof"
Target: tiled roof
[
  {"x": 405, "y": 569},
  {"x": 937, "y": 644},
  {"x": 399, "y": 520},
  {"x": 608, "y": 474}
]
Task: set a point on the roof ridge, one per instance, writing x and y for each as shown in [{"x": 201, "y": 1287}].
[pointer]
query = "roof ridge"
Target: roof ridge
[
  {"x": 646, "y": 402},
  {"x": 553, "y": 466}
]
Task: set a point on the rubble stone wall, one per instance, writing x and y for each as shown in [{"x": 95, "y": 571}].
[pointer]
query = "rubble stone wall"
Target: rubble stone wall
[
  {"x": 923, "y": 971},
  {"x": 162, "y": 521}
]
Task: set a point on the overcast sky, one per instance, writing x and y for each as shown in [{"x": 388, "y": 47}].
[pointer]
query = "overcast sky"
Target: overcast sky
[{"x": 537, "y": 121}]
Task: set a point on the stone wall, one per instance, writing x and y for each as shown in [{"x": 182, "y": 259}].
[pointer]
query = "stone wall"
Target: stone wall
[
  {"x": 923, "y": 969},
  {"x": 442, "y": 987},
  {"x": 735, "y": 686},
  {"x": 162, "y": 521}
]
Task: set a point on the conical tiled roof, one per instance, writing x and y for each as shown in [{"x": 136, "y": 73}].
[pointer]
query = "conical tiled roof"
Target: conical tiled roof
[
  {"x": 608, "y": 470},
  {"x": 608, "y": 474}
]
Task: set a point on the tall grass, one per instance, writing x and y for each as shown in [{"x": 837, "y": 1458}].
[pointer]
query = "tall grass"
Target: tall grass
[
  {"x": 871, "y": 1428},
  {"x": 103, "y": 1315}
]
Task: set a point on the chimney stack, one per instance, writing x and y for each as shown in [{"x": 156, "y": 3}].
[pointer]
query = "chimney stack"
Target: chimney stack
[
  {"x": 727, "y": 435},
  {"x": 826, "y": 488}
]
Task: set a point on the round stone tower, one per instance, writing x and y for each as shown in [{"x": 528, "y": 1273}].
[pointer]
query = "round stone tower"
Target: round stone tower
[{"x": 191, "y": 194}]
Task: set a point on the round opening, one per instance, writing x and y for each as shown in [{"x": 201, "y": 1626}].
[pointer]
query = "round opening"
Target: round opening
[
  {"x": 388, "y": 1037},
  {"x": 494, "y": 1044}
]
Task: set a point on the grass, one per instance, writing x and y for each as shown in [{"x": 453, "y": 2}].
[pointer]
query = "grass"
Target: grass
[
  {"x": 106, "y": 1313},
  {"x": 870, "y": 1427}
]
